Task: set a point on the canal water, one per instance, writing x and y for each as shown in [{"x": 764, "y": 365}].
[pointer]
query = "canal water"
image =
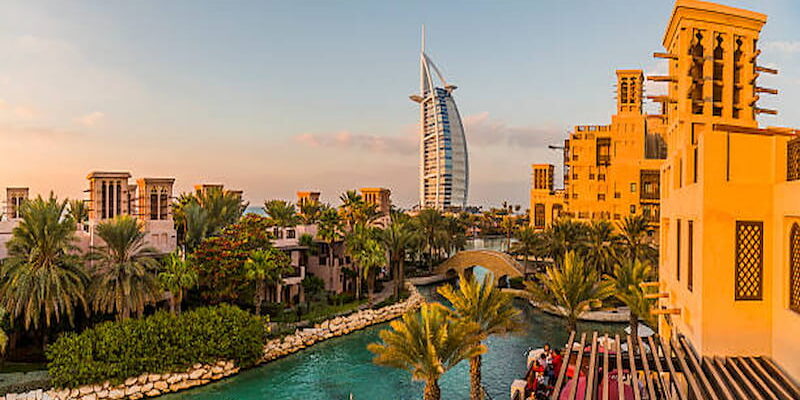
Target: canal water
[{"x": 337, "y": 368}]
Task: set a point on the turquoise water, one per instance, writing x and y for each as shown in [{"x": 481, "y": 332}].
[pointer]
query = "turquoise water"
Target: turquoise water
[{"x": 334, "y": 369}]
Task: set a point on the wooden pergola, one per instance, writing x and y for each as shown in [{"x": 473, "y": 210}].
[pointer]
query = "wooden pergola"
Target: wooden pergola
[{"x": 664, "y": 369}]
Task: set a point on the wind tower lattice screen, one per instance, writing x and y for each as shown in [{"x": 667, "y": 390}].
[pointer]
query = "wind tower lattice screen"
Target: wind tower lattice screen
[
  {"x": 749, "y": 260},
  {"x": 793, "y": 159},
  {"x": 794, "y": 268}
]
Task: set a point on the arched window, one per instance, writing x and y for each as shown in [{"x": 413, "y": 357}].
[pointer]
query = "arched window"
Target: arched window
[
  {"x": 794, "y": 268},
  {"x": 163, "y": 206},
  {"x": 104, "y": 201},
  {"x": 153, "y": 204}
]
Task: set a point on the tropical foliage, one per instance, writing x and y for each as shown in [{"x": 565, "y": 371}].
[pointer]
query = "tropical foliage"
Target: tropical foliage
[
  {"x": 265, "y": 267},
  {"x": 484, "y": 305},
  {"x": 626, "y": 282},
  {"x": 569, "y": 288},
  {"x": 114, "y": 351},
  {"x": 123, "y": 269},
  {"x": 427, "y": 343},
  {"x": 176, "y": 277},
  {"x": 45, "y": 281}
]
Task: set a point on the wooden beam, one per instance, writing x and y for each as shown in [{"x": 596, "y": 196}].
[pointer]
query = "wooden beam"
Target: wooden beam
[
  {"x": 632, "y": 362},
  {"x": 665, "y": 388},
  {"x": 756, "y": 364},
  {"x": 648, "y": 376},
  {"x": 765, "y": 389},
  {"x": 780, "y": 374},
  {"x": 665, "y": 55},
  {"x": 729, "y": 378},
  {"x": 620, "y": 368},
  {"x": 760, "y": 89},
  {"x": 605, "y": 370},
  {"x": 667, "y": 349},
  {"x": 755, "y": 55},
  {"x": 731, "y": 362},
  {"x": 698, "y": 367},
  {"x": 573, "y": 392},
  {"x": 590, "y": 385},
  {"x": 766, "y": 70},
  {"x": 661, "y": 78},
  {"x": 690, "y": 375},
  {"x": 662, "y": 99},
  {"x": 563, "y": 373},
  {"x": 662, "y": 295},
  {"x": 666, "y": 311},
  {"x": 716, "y": 374},
  {"x": 765, "y": 111}
]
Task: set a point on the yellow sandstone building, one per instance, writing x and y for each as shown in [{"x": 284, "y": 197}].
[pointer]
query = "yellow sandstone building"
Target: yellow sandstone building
[
  {"x": 610, "y": 171},
  {"x": 730, "y": 199}
]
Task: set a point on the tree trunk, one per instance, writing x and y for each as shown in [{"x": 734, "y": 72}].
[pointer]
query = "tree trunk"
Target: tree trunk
[
  {"x": 178, "y": 301},
  {"x": 370, "y": 286},
  {"x": 475, "y": 389},
  {"x": 634, "y": 324},
  {"x": 572, "y": 324},
  {"x": 358, "y": 282},
  {"x": 171, "y": 303},
  {"x": 402, "y": 274},
  {"x": 259, "y": 297},
  {"x": 432, "y": 391}
]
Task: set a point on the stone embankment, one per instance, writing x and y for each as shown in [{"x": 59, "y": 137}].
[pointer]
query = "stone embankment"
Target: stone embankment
[{"x": 151, "y": 385}]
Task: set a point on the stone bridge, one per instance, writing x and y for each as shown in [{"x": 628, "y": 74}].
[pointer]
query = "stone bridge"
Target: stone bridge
[{"x": 500, "y": 264}]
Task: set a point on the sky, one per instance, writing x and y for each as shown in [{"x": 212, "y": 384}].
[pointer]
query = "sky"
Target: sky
[{"x": 276, "y": 97}]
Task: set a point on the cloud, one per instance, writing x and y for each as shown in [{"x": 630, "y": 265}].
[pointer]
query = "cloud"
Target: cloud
[
  {"x": 347, "y": 140},
  {"x": 784, "y": 46},
  {"x": 484, "y": 131},
  {"x": 24, "y": 112},
  {"x": 90, "y": 119}
]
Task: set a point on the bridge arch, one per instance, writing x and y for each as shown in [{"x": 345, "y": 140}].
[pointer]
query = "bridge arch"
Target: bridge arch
[{"x": 500, "y": 264}]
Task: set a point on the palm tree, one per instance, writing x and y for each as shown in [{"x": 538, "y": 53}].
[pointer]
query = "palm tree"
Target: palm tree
[
  {"x": 310, "y": 212},
  {"x": 351, "y": 203},
  {"x": 356, "y": 243},
  {"x": 599, "y": 246},
  {"x": 221, "y": 208},
  {"x": 124, "y": 276},
  {"x": 453, "y": 234},
  {"x": 529, "y": 242},
  {"x": 329, "y": 230},
  {"x": 177, "y": 276},
  {"x": 628, "y": 275},
  {"x": 562, "y": 236},
  {"x": 634, "y": 233},
  {"x": 196, "y": 225},
  {"x": 398, "y": 238},
  {"x": 44, "y": 276},
  {"x": 486, "y": 306},
  {"x": 429, "y": 224},
  {"x": 427, "y": 344},
  {"x": 282, "y": 212},
  {"x": 369, "y": 258},
  {"x": 507, "y": 224},
  {"x": 266, "y": 267},
  {"x": 570, "y": 288},
  {"x": 78, "y": 211}
]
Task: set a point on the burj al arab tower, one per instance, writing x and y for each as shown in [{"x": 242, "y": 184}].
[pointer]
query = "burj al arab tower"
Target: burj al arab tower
[{"x": 443, "y": 158}]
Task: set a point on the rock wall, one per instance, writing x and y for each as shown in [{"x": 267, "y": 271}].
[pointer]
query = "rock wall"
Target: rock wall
[{"x": 151, "y": 385}]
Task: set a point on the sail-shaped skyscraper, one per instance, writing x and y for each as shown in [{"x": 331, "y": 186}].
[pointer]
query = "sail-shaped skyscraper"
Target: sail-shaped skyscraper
[{"x": 444, "y": 162}]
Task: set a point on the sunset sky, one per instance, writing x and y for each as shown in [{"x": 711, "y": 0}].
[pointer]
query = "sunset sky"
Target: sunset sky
[{"x": 275, "y": 97}]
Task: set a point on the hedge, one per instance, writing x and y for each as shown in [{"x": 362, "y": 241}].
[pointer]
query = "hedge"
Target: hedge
[{"x": 163, "y": 342}]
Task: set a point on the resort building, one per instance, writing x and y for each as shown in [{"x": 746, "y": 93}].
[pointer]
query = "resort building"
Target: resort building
[
  {"x": 304, "y": 197},
  {"x": 729, "y": 272},
  {"x": 610, "y": 171},
  {"x": 149, "y": 200},
  {"x": 15, "y": 196},
  {"x": 443, "y": 158}
]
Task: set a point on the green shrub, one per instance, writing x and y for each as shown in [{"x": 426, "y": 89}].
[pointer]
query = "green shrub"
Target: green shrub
[{"x": 159, "y": 343}]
